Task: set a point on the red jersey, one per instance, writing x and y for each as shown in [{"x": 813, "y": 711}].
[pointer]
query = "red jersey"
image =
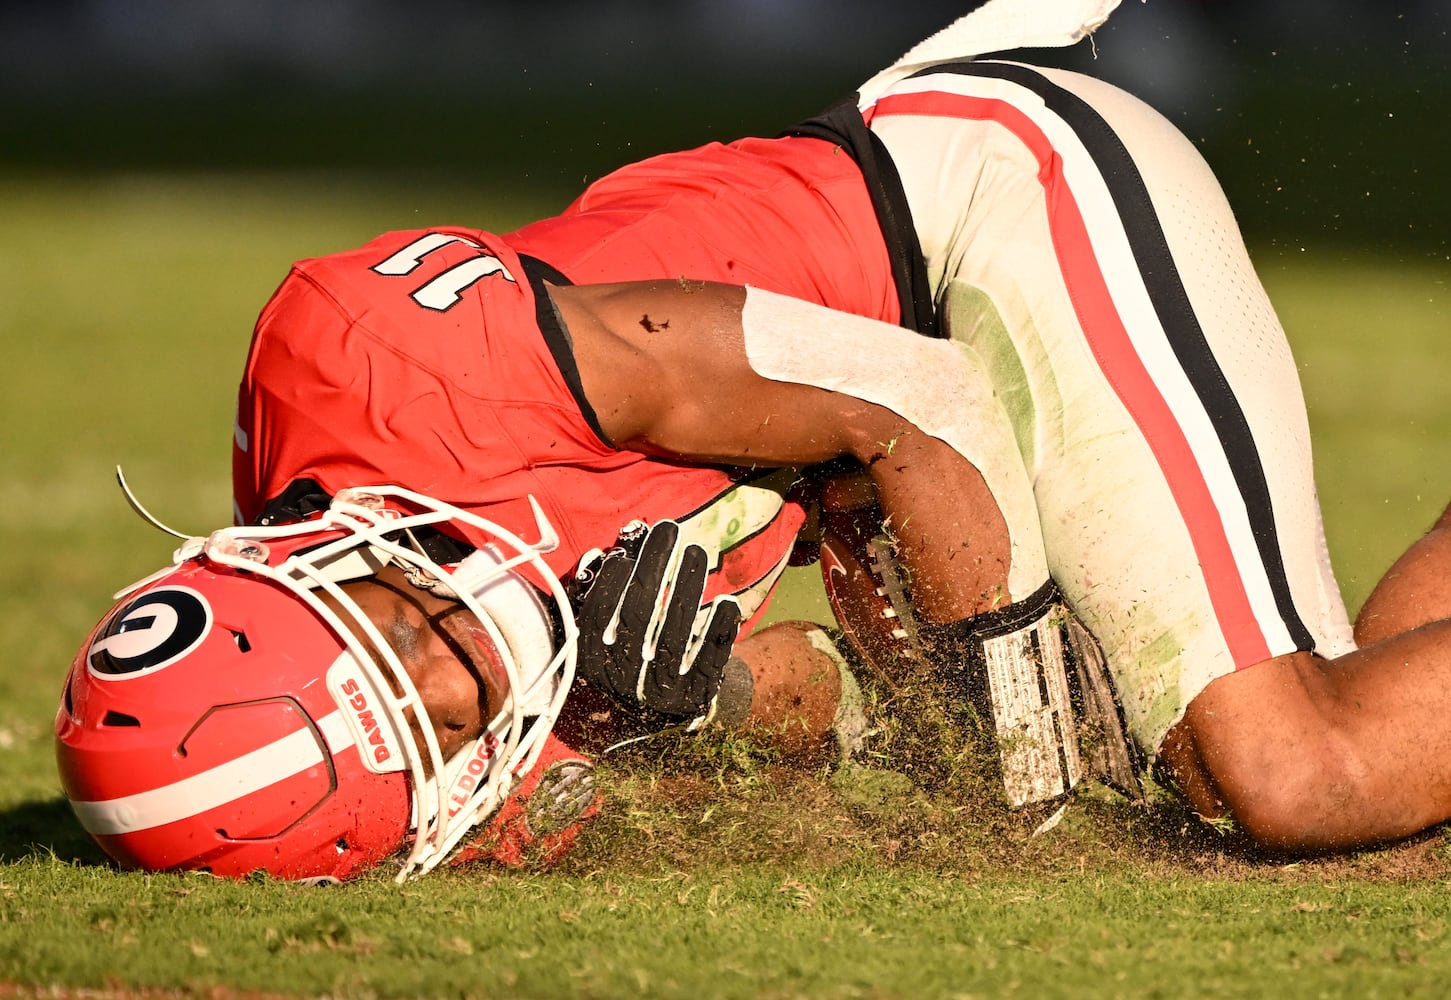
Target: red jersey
[
  {"x": 424, "y": 358},
  {"x": 790, "y": 215}
]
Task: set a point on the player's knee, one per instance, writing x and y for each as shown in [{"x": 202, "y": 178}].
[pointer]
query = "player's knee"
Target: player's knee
[
  {"x": 1285, "y": 798},
  {"x": 1277, "y": 759},
  {"x": 794, "y": 688}
]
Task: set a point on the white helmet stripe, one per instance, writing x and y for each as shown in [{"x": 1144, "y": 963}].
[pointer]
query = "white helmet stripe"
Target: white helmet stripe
[{"x": 251, "y": 772}]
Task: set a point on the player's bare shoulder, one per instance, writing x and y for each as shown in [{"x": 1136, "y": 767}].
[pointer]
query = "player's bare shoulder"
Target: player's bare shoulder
[{"x": 647, "y": 350}]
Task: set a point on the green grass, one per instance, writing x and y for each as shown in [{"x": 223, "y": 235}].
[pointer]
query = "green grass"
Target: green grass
[
  {"x": 751, "y": 933},
  {"x": 125, "y": 305}
]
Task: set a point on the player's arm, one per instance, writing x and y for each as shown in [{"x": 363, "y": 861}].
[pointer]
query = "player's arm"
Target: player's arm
[
  {"x": 708, "y": 372},
  {"x": 666, "y": 368}
]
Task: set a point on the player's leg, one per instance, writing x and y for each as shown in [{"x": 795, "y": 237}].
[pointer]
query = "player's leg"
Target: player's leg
[
  {"x": 1083, "y": 251},
  {"x": 1358, "y": 748},
  {"x": 1316, "y": 745},
  {"x": 1313, "y": 754},
  {"x": 1159, "y": 410},
  {"x": 1308, "y": 751},
  {"x": 792, "y": 694}
]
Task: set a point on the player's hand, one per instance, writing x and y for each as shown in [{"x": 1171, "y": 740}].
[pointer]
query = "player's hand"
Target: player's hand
[{"x": 644, "y": 637}]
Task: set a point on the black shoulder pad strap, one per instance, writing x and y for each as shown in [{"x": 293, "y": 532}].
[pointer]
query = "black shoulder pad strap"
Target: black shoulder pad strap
[
  {"x": 842, "y": 124},
  {"x": 561, "y": 347},
  {"x": 301, "y": 498}
]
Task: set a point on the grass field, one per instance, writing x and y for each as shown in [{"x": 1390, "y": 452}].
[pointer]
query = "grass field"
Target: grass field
[{"x": 125, "y": 305}]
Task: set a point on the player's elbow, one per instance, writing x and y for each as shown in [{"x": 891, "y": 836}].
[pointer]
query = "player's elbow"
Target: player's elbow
[{"x": 1280, "y": 751}]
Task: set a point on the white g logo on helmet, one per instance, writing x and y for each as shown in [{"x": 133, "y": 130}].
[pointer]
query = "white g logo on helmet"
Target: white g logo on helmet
[{"x": 153, "y": 631}]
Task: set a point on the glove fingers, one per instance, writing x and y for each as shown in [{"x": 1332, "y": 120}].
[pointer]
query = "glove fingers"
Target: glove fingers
[
  {"x": 597, "y": 614},
  {"x": 666, "y": 652},
  {"x": 713, "y": 646},
  {"x": 642, "y": 599},
  {"x": 604, "y": 661},
  {"x": 724, "y": 624},
  {"x": 639, "y": 639}
]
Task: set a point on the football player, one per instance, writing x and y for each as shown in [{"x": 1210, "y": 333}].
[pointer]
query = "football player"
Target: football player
[{"x": 1094, "y": 465}]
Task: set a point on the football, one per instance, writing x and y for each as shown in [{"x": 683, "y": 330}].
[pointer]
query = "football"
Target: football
[{"x": 867, "y": 588}]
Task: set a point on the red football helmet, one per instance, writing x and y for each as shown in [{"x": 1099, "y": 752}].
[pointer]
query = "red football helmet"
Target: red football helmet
[{"x": 223, "y": 717}]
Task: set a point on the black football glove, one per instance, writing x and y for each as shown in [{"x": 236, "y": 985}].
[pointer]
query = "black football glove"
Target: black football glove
[{"x": 638, "y": 637}]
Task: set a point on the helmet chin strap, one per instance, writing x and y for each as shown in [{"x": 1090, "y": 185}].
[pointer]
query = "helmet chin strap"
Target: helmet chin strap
[{"x": 517, "y": 612}]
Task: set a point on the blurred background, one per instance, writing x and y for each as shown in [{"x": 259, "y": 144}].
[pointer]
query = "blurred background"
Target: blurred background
[
  {"x": 163, "y": 161},
  {"x": 1323, "y": 117}
]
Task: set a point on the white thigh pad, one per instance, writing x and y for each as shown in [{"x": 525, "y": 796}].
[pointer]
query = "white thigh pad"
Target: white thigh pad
[{"x": 938, "y": 385}]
